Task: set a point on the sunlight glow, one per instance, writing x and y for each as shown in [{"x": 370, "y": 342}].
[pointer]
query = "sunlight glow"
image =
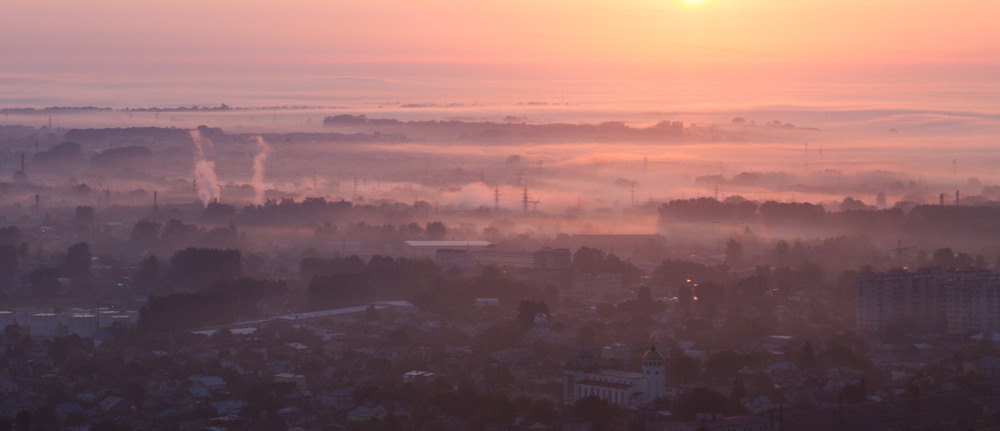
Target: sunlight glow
[{"x": 694, "y": 3}]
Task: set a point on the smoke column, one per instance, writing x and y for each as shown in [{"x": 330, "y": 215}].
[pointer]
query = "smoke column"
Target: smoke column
[
  {"x": 204, "y": 170},
  {"x": 263, "y": 150}
]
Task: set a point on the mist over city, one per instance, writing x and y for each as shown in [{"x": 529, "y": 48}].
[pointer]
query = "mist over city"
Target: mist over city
[{"x": 664, "y": 216}]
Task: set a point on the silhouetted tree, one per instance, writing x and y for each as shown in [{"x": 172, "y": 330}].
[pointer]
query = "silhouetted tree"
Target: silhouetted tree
[
  {"x": 436, "y": 231},
  {"x": 219, "y": 213},
  {"x": 704, "y": 400},
  {"x": 8, "y": 262},
  {"x": 724, "y": 364},
  {"x": 44, "y": 281},
  {"x": 83, "y": 219},
  {"x": 710, "y": 295},
  {"x": 596, "y": 410},
  {"x": 148, "y": 275},
  {"x": 963, "y": 260},
  {"x": 196, "y": 268},
  {"x": 527, "y": 310},
  {"x": 145, "y": 234},
  {"x": 682, "y": 367},
  {"x": 734, "y": 253},
  {"x": 176, "y": 234},
  {"x": 588, "y": 260},
  {"x": 77, "y": 263},
  {"x": 739, "y": 391},
  {"x": 22, "y": 422},
  {"x": 854, "y": 393},
  {"x": 807, "y": 357},
  {"x": 10, "y": 235},
  {"x": 340, "y": 290},
  {"x": 944, "y": 257},
  {"x": 542, "y": 411},
  {"x": 675, "y": 272},
  {"x": 225, "y": 301}
]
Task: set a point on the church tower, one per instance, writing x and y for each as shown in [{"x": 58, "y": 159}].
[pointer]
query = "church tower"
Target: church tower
[{"x": 654, "y": 368}]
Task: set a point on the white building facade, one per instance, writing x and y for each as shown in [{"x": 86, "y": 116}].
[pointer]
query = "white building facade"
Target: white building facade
[{"x": 625, "y": 388}]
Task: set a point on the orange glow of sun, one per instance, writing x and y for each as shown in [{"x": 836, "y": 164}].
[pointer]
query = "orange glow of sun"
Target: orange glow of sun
[{"x": 693, "y": 3}]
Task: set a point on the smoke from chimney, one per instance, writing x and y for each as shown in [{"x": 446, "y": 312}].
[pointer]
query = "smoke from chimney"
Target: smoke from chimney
[
  {"x": 204, "y": 170},
  {"x": 263, "y": 150}
]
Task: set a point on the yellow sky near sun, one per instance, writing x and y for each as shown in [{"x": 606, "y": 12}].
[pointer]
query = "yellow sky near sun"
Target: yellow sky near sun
[{"x": 501, "y": 31}]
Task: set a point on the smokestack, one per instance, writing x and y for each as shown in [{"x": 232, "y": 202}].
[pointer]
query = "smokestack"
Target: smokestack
[
  {"x": 22, "y": 162},
  {"x": 956, "y": 197},
  {"x": 154, "y": 201},
  {"x": 38, "y": 199},
  {"x": 941, "y": 198}
]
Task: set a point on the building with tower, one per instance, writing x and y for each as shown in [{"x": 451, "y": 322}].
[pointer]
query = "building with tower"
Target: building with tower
[
  {"x": 654, "y": 365},
  {"x": 584, "y": 378}
]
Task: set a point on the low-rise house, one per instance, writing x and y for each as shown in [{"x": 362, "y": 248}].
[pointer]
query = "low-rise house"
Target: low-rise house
[
  {"x": 212, "y": 383},
  {"x": 339, "y": 400},
  {"x": 720, "y": 423},
  {"x": 298, "y": 380},
  {"x": 418, "y": 376},
  {"x": 365, "y": 414}
]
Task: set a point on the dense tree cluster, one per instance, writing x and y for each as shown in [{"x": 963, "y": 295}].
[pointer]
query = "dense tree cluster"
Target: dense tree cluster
[
  {"x": 609, "y": 131},
  {"x": 923, "y": 224},
  {"x": 164, "y": 239},
  {"x": 225, "y": 301},
  {"x": 589, "y": 260},
  {"x": 197, "y": 268}
]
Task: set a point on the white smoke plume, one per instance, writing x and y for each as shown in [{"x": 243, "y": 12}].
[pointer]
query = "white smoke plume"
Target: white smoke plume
[
  {"x": 204, "y": 170},
  {"x": 263, "y": 150}
]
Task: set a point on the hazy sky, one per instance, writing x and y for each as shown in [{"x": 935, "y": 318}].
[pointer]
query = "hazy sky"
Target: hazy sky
[{"x": 184, "y": 40}]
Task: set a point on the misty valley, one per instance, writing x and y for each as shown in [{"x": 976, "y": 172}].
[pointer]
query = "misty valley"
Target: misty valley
[{"x": 522, "y": 267}]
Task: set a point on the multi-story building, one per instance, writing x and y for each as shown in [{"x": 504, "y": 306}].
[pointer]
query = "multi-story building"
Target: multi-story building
[
  {"x": 957, "y": 301},
  {"x": 973, "y": 301},
  {"x": 884, "y": 298}
]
